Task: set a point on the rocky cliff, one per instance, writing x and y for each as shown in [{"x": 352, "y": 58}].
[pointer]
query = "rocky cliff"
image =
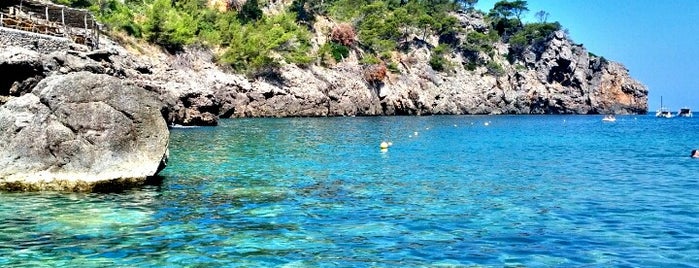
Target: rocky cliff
[
  {"x": 557, "y": 77},
  {"x": 554, "y": 76}
]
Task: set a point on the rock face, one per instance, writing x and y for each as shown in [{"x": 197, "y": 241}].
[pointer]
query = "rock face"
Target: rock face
[
  {"x": 572, "y": 81},
  {"x": 189, "y": 101},
  {"x": 555, "y": 77},
  {"x": 81, "y": 132}
]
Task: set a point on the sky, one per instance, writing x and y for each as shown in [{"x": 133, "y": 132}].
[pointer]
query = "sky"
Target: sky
[{"x": 658, "y": 41}]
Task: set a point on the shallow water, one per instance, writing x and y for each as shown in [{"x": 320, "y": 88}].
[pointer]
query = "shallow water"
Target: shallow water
[{"x": 530, "y": 191}]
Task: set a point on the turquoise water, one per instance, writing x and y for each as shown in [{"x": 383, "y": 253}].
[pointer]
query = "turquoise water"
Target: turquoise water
[{"x": 532, "y": 191}]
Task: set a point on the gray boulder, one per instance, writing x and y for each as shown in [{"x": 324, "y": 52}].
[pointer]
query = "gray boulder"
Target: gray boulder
[{"x": 81, "y": 132}]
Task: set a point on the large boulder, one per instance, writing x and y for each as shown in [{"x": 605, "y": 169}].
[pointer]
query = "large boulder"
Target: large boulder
[{"x": 81, "y": 132}]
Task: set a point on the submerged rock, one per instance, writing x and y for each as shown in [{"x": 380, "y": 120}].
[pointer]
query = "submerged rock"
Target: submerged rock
[{"x": 81, "y": 132}]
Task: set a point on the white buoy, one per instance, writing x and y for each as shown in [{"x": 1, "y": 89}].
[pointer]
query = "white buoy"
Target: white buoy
[
  {"x": 415, "y": 133},
  {"x": 383, "y": 145},
  {"x": 486, "y": 123}
]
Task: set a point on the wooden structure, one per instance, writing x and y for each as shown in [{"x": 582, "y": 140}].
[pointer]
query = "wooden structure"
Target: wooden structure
[{"x": 50, "y": 19}]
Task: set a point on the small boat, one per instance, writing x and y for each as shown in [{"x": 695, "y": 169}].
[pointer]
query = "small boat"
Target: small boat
[
  {"x": 684, "y": 112},
  {"x": 181, "y": 126},
  {"x": 609, "y": 118},
  {"x": 663, "y": 112}
]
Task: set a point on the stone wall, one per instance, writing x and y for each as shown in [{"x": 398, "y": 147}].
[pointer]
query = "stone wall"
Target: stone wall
[{"x": 37, "y": 42}]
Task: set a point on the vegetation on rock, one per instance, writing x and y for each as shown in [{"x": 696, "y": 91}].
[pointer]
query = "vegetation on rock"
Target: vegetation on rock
[{"x": 254, "y": 42}]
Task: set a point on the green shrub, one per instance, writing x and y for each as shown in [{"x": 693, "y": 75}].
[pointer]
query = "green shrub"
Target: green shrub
[
  {"x": 338, "y": 51},
  {"x": 480, "y": 42},
  {"x": 117, "y": 16},
  {"x": 437, "y": 61},
  {"x": 471, "y": 65},
  {"x": 169, "y": 27},
  {"x": 370, "y": 60},
  {"x": 265, "y": 44},
  {"x": 250, "y": 11},
  {"x": 495, "y": 69},
  {"x": 324, "y": 54},
  {"x": 393, "y": 67},
  {"x": 531, "y": 33}
]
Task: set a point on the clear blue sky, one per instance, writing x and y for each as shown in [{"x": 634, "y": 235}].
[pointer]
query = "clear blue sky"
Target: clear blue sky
[{"x": 658, "y": 41}]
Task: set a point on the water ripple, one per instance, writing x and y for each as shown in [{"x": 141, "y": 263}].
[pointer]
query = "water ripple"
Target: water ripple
[{"x": 554, "y": 191}]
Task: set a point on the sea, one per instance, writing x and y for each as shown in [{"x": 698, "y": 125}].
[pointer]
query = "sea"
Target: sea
[{"x": 451, "y": 191}]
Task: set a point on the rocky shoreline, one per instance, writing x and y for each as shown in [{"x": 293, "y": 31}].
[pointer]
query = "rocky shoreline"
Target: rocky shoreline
[
  {"x": 556, "y": 77},
  {"x": 78, "y": 144}
]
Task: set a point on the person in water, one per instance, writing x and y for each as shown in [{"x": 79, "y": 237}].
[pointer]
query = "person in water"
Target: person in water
[{"x": 695, "y": 153}]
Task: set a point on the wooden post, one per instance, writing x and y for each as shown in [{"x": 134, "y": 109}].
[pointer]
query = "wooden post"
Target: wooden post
[
  {"x": 48, "y": 22},
  {"x": 92, "y": 31},
  {"x": 63, "y": 23},
  {"x": 98, "y": 36},
  {"x": 85, "y": 20}
]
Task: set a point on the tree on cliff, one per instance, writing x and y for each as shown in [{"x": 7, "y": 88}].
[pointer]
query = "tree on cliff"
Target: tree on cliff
[
  {"x": 506, "y": 16},
  {"x": 168, "y": 27},
  {"x": 467, "y": 4},
  {"x": 542, "y": 16},
  {"x": 250, "y": 11}
]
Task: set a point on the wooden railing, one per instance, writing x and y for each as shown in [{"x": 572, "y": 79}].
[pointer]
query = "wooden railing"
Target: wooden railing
[
  {"x": 31, "y": 25},
  {"x": 49, "y": 19}
]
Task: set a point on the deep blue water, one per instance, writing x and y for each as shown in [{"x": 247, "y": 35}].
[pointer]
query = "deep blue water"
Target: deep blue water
[{"x": 532, "y": 191}]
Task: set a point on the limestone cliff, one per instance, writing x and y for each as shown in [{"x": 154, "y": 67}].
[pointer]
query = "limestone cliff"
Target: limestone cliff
[{"x": 554, "y": 76}]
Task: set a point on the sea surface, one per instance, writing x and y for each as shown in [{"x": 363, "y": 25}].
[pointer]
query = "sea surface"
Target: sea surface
[{"x": 452, "y": 191}]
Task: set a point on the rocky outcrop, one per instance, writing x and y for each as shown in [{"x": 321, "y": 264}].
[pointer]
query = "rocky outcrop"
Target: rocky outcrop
[
  {"x": 81, "y": 132},
  {"x": 187, "y": 100},
  {"x": 567, "y": 79}
]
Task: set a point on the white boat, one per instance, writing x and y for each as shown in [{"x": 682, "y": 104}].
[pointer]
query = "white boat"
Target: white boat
[
  {"x": 181, "y": 126},
  {"x": 684, "y": 112},
  {"x": 609, "y": 118},
  {"x": 663, "y": 112}
]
